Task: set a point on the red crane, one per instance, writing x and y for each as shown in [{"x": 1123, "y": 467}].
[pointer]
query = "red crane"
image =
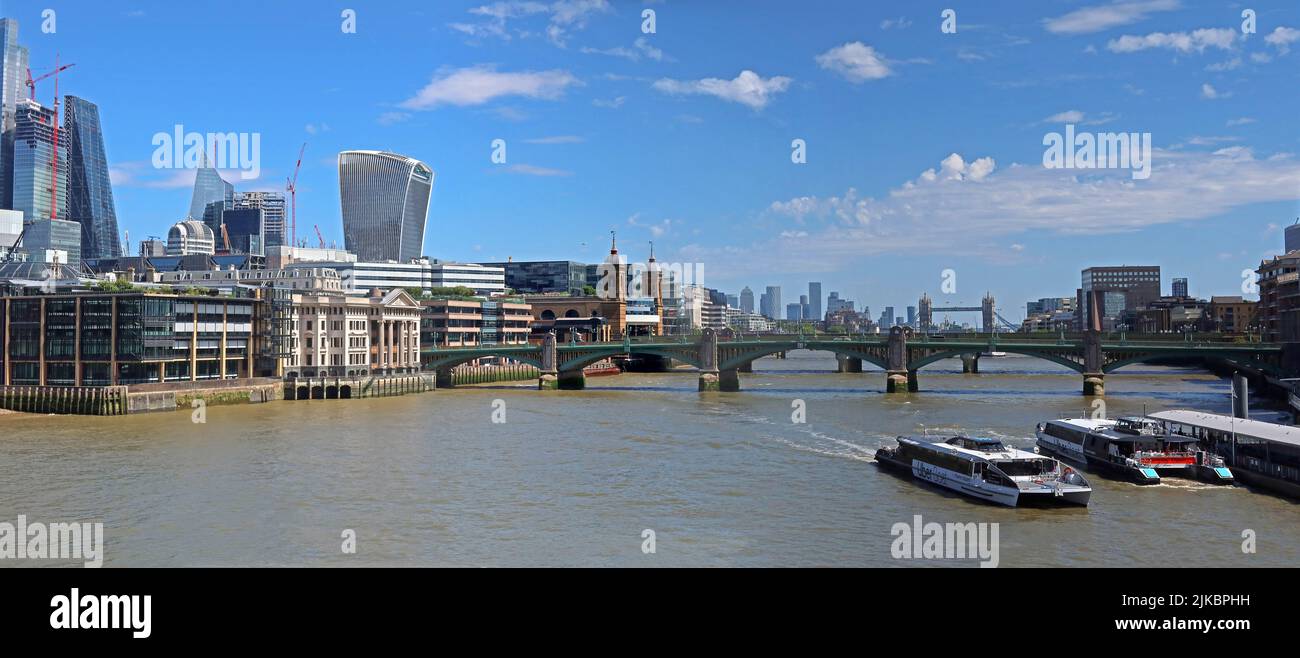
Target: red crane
[
  {"x": 31, "y": 86},
  {"x": 319, "y": 236},
  {"x": 31, "y": 82},
  {"x": 291, "y": 186}
]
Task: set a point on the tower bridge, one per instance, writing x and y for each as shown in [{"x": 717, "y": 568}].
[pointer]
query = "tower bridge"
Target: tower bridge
[{"x": 901, "y": 354}]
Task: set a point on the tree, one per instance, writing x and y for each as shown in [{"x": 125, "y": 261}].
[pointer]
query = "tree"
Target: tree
[{"x": 589, "y": 291}]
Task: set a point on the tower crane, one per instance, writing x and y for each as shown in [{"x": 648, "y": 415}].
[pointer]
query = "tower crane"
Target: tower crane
[{"x": 291, "y": 186}]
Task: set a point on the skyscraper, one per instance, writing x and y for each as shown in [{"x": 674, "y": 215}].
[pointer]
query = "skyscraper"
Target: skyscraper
[
  {"x": 90, "y": 195},
  {"x": 13, "y": 74},
  {"x": 1180, "y": 287},
  {"x": 773, "y": 302},
  {"x": 747, "y": 300},
  {"x": 385, "y": 202},
  {"x": 34, "y": 164},
  {"x": 272, "y": 205},
  {"x": 209, "y": 186},
  {"x": 815, "y": 302}
]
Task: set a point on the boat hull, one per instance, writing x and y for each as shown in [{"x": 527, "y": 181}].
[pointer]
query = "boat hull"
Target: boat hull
[{"x": 979, "y": 490}]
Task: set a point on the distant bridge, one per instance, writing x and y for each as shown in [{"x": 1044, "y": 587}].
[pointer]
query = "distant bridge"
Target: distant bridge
[{"x": 900, "y": 354}]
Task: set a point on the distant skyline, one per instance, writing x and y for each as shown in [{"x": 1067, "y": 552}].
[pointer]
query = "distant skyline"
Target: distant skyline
[{"x": 924, "y": 150}]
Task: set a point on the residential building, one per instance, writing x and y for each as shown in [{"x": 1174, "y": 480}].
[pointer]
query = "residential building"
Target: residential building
[
  {"x": 1230, "y": 314},
  {"x": 1278, "y": 313},
  {"x": 385, "y": 202}
]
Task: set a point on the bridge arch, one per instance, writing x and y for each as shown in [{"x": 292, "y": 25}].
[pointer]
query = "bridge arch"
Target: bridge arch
[
  {"x": 690, "y": 355},
  {"x": 450, "y": 360},
  {"x": 738, "y": 359},
  {"x": 953, "y": 353},
  {"x": 1245, "y": 362}
]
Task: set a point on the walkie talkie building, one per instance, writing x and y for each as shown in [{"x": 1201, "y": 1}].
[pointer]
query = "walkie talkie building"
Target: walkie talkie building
[{"x": 385, "y": 204}]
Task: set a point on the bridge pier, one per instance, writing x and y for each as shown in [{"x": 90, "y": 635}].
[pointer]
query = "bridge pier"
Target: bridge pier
[
  {"x": 728, "y": 381},
  {"x": 1094, "y": 384},
  {"x": 899, "y": 381},
  {"x": 848, "y": 364},
  {"x": 442, "y": 377},
  {"x": 548, "y": 381},
  {"x": 970, "y": 364},
  {"x": 747, "y": 366},
  {"x": 571, "y": 380}
]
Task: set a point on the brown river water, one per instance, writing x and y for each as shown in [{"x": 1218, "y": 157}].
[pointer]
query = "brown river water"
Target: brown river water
[{"x": 573, "y": 478}]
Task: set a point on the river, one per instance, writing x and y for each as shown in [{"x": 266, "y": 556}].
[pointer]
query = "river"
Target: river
[{"x": 573, "y": 478}]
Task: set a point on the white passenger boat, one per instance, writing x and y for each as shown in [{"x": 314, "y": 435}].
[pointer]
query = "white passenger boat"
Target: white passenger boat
[{"x": 986, "y": 469}]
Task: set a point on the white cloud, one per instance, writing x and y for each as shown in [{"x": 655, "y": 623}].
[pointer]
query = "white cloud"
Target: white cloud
[
  {"x": 563, "y": 16},
  {"x": 1282, "y": 38},
  {"x": 1103, "y": 17},
  {"x": 640, "y": 48},
  {"x": 1068, "y": 116},
  {"x": 390, "y": 118},
  {"x": 1208, "y": 92},
  {"x": 1182, "y": 42},
  {"x": 1240, "y": 122},
  {"x": 973, "y": 205},
  {"x": 855, "y": 61},
  {"x": 613, "y": 103},
  {"x": 900, "y": 23},
  {"x": 480, "y": 84},
  {"x": 748, "y": 88}
]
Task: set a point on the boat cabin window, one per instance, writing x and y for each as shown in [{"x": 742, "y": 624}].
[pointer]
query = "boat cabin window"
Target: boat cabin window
[
  {"x": 984, "y": 445},
  {"x": 1022, "y": 467}
]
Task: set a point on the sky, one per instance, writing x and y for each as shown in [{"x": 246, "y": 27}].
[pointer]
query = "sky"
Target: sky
[{"x": 923, "y": 147}]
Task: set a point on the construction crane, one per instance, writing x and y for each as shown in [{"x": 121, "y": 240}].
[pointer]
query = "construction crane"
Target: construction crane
[
  {"x": 291, "y": 186},
  {"x": 31, "y": 82},
  {"x": 225, "y": 236},
  {"x": 319, "y": 236},
  {"x": 54, "y": 181}
]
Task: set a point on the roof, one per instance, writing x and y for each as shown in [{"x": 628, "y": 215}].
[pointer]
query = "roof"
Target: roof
[{"x": 1287, "y": 434}]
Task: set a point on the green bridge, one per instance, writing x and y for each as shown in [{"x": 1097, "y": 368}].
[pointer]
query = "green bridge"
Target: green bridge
[{"x": 899, "y": 353}]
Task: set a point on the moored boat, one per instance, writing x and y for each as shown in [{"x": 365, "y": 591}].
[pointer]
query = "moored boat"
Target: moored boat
[
  {"x": 1132, "y": 448},
  {"x": 985, "y": 469}
]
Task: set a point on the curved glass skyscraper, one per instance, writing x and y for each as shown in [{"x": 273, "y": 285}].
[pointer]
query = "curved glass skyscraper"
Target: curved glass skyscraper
[
  {"x": 385, "y": 203},
  {"x": 90, "y": 196}
]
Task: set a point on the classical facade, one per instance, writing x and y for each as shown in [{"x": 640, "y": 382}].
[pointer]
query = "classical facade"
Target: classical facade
[{"x": 345, "y": 335}]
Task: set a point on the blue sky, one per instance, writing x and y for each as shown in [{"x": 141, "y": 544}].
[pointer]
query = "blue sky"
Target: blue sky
[{"x": 924, "y": 148}]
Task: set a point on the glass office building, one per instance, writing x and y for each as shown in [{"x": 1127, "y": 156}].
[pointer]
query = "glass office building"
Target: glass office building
[
  {"x": 34, "y": 164},
  {"x": 13, "y": 74},
  {"x": 50, "y": 240},
  {"x": 102, "y": 339},
  {"x": 385, "y": 203},
  {"x": 209, "y": 186},
  {"x": 90, "y": 196}
]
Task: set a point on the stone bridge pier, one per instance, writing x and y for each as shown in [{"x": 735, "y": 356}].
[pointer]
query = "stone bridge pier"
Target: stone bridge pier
[
  {"x": 970, "y": 364},
  {"x": 550, "y": 377},
  {"x": 899, "y": 378},
  {"x": 1094, "y": 382}
]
